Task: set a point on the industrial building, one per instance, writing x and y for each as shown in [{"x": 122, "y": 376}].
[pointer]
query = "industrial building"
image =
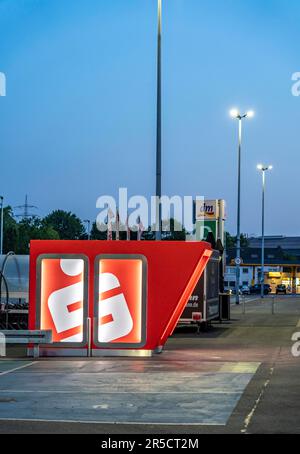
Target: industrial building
[{"x": 282, "y": 263}]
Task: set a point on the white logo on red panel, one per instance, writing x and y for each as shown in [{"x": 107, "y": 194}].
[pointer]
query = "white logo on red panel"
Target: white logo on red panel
[
  {"x": 115, "y": 307},
  {"x": 119, "y": 309},
  {"x": 60, "y": 301}
]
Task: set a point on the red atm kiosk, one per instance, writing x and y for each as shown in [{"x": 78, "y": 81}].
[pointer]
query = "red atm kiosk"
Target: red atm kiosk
[{"x": 111, "y": 297}]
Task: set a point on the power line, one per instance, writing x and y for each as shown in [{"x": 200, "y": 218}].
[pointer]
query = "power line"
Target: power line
[{"x": 26, "y": 214}]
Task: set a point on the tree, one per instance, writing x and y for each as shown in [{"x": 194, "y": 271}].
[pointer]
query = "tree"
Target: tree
[
  {"x": 149, "y": 234},
  {"x": 176, "y": 233},
  {"x": 33, "y": 229},
  {"x": 231, "y": 241},
  {"x": 27, "y": 231},
  {"x": 46, "y": 232},
  {"x": 10, "y": 231},
  {"x": 172, "y": 230},
  {"x": 66, "y": 224},
  {"x": 97, "y": 234},
  {"x": 17, "y": 235}
]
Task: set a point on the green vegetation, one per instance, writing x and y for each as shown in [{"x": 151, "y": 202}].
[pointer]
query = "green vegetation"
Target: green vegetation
[
  {"x": 63, "y": 225},
  {"x": 231, "y": 241}
]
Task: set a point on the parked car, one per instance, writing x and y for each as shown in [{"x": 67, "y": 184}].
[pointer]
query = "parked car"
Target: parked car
[
  {"x": 234, "y": 291},
  {"x": 245, "y": 290},
  {"x": 256, "y": 289},
  {"x": 281, "y": 288}
]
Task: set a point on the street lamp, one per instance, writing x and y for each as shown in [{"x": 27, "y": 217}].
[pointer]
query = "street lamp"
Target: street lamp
[
  {"x": 263, "y": 169},
  {"x": 88, "y": 222},
  {"x": 235, "y": 113},
  {"x": 158, "y": 124},
  {"x": 1, "y": 226}
]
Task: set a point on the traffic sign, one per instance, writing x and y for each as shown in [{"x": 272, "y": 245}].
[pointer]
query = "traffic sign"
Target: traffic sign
[{"x": 238, "y": 261}]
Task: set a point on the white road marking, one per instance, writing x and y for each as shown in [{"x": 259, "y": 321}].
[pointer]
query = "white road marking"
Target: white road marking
[
  {"x": 232, "y": 395},
  {"x": 257, "y": 402},
  {"x": 239, "y": 368},
  {"x": 72, "y": 421},
  {"x": 16, "y": 368},
  {"x": 86, "y": 391}
]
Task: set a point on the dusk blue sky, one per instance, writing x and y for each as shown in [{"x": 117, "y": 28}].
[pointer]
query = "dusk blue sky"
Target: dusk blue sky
[{"x": 79, "y": 117}]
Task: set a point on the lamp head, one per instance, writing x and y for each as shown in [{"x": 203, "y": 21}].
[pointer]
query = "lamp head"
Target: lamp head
[
  {"x": 264, "y": 168},
  {"x": 234, "y": 113}
]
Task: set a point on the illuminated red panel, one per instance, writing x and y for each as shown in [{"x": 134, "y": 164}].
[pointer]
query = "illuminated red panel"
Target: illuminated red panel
[
  {"x": 172, "y": 271},
  {"x": 61, "y": 298},
  {"x": 120, "y": 301}
]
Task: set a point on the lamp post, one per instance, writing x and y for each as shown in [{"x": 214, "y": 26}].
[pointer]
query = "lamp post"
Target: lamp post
[
  {"x": 1, "y": 227},
  {"x": 263, "y": 170},
  {"x": 235, "y": 113},
  {"x": 88, "y": 222},
  {"x": 158, "y": 124}
]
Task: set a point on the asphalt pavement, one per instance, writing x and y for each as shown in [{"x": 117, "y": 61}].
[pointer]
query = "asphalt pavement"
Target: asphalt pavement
[{"x": 237, "y": 377}]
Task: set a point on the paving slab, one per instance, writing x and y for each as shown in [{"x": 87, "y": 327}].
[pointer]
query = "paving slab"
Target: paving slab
[{"x": 131, "y": 392}]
